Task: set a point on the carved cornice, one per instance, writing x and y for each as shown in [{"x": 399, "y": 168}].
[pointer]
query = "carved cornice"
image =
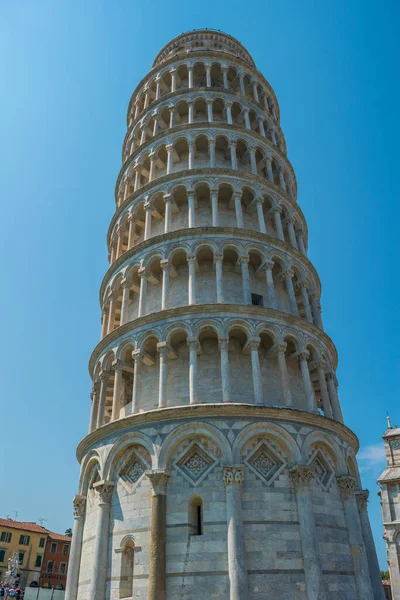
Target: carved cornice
[
  {"x": 224, "y": 411},
  {"x": 242, "y": 310},
  {"x": 209, "y": 232}
]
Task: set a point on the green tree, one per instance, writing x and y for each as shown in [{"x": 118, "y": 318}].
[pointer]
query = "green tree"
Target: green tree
[
  {"x": 385, "y": 575},
  {"x": 68, "y": 532}
]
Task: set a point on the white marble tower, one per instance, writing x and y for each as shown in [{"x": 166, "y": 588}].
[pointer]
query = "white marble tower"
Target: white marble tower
[
  {"x": 389, "y": 483},
  {"x": 217, "y": 464}
]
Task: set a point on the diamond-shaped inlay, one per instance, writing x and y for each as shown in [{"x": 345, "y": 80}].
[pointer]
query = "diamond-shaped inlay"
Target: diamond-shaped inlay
[
  {"x": 265, "y": 463},
  {"x": 323, "y": 470},
  {"x": 133, "y": 469},
  {"x": 195, "y": 463}
]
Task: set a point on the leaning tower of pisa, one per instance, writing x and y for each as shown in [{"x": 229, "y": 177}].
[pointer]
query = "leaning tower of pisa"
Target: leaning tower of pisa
[{"x": 217, "y": 464}]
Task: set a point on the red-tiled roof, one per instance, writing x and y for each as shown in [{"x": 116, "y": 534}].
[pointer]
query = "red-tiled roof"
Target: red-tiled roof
[
  {"x": 59, "y": 537},
  {"x": 28, "y": 526}
]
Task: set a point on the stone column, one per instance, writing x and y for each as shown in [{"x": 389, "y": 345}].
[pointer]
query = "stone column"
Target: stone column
[
  {"x": 300, "y": 241},
  {"x": 234, "y": 164},
  {"x": 253, "y": 162},
  {"x": 98, "y": 580},
  {"x": 316, "y": 310},
  {"x": 211, "y": 144},
  {"x": 209, "y": 111},
  {"x": 356, "y": 542},
  {"x": 131, "y": 231},
  {"x": 190, "y": 76},
  {"x": 241, "y": 83},
  {"x": 116, "y": 405},
  {"x": 171, "y": 117},
  {"x": 158, "y": 535},
  {"x": 214, "y": 208},
  {"x": 111, "y": 311},
  {"x": 142, "y": 292},
  {"x": 164, "y": 264},
  {"x": 244, "y": 263},
  {"x": 273, "y": 136},
  {"x": 120, "y": 240},
  {"x": 228, "y": 106},
  {"x": 191, "y": 211},
  {"x": 155, "y": 125},
  {"x": 74, "y": 563},
  {"x": 173, "y": 80},
  {"x": 191, "y": 155},
  {"x": 326, "y": 405},
  {"x": 162, "y": 384},
  {"x": 95, "y": 406},
  {"x": 169, "y": 148},
  {"x": 292, "y": 235},
  {"x": 147, "y": 225},
  {"x": 225, "y": 375},
  {"x": 193, "y": 345},
  {"x": 260, "y": 215},
  {"x": 104, "y": 376},
  {"x": 190, "y": 112},
  {"x": 270, "y": 173},
  {"x": 306, "y": 303},
  {"x": 253, "y": 346},
  {"x": 302, "y": 476},
  {"x": 288, "y": 276},
  {"x": 308, "y": 388},
  {"x": 137, "y": 358},
  {"x": 238, "y": 210},
  {"x": 255, "y": 91},
  {"x": 246, "y": 118},
  {"x": 168, "y": 213},
  {"x": 143, "y": 134},
  {"x": 104, "y": 322},
  {"x": 152, "y": 171},
  {"x": 126, "y": 286},
  {"x": 333, "y": 396},
  {"x": 233, "y": 481},
  {"x": 280, "y": 350},
  {"x": 218, "y": 262},
  {"x": 376, "y": 581},
  {"x": 208, "y": 75},
  {"x": 270, "y": 285},
  {"x": 225, "y": 77},
  {"x": 192, "y": 279},
  {"x": 278, "y": 222},
  {"x": 261, "y": 127},
  {"x": 137, "y": 177},
  {"x": 158, "y": 88}
]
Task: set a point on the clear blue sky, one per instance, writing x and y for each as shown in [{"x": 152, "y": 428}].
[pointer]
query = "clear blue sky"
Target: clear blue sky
[{"x": 68, "y": 69}]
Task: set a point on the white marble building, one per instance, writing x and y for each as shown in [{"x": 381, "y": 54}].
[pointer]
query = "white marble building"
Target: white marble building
[
  {"x": 389, "y": 483},
  {"x": 217, "y": 464}
]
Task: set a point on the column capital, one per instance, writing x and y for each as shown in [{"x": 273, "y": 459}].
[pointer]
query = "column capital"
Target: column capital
[
  {"x": 104, "y": 375},
  {"x": 301, "y": 284},
  {"x": 137, "y": 354},
  {"x": 269, "y": 264},
  {"x": 131, "y": 217},
  {"x": 253, "y": 344},
  {"x": 104, "y": 489},
  {"x": 304, "y": 354},
  {"x": 96, "y": 387},
  {"x": 162, "y": 349},
  {"x": 142, "y": 272},
  {"x": 147, "y": 206},
  {"x": 233, "y": 143},
  {"x": 259, "y": 200},
  {"x": 244, "y": 259},
  {"x": 159, "y": 481},
  {"x": 276, "y": 209},
  {"x": 167, "y": 197},
  {"x": 280, "y": 347},
  {"x": 212, "y": 142},
  {"x": 362, "y": 498},
  {"x": 288, "y": 273},
  {"x": 233, "y": 476},
  {"x": 320, "y": 364},
  {"x": 126, "y": 282},
  {"x": 164, "y": 264},
  {"x": 193, "y": 344},
  {"x": 229, "y": 104},
  {"x": 79, "y": 504},
  {"x": 302, "y": 475},
  {"x": 118, "y": 365},
  {"x": 191, "y": 259},
  {"x": 218, "y": 258},
  {"x": 347, "y": 485}
]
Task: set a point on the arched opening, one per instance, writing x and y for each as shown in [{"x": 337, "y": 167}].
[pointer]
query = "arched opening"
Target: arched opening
[
  {"x": 269, "y": 370},
  {"x": 222, "y": 152},
  {"x": 127, "y": 566},
  {"x": 182, "y": 113},
  {"x": 199, "y": 75},
  {"x": 226, "y": 209},
  {"x": 195, "y": 515},
  {"x": 178, "y": 284},
  {"x": 178, "y": 370},
  {"x": 232, "y": 276},
  {"x": 209, "y": 385},
  {"x": 179, "y": 208},
  {"x": 201, "y": 152},
  {"x": 200, "y": 110},
  {"x": 181, "y": 154},
  {"x": 127, "y": 381},
  {"x": 216, "y": 76},
  {"x": 203, "y": 208},
  {"x": 257, "y": 279},
  {"x": 154, "y": 279},
  {"x": 242, "y": 389},
  {"x": 149, "y": 374},
  {"x": 219, "y": 111}
]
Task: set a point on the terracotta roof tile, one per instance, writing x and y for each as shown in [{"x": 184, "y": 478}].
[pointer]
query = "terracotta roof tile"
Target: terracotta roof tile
[
  {"x": 59, "y": 537},
  {"x": 34, "y": 527}
]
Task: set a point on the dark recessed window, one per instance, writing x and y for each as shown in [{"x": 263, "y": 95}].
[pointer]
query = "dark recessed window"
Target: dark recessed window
[{"x": 257, "y": 300}]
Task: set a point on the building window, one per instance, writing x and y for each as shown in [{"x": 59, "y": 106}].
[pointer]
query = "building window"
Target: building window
[
  {"x": 257, "y": 300},
  {"x": 5, "y": 537},
  {"x": 38, "y": 561},
  {"x": 127, "y": 567},
  {"x": 42, "y": 542},
  {"x": 24, "y": 540},
  {"x": 21, "y": 557},
  {"x": 50, "y": 566},
  {"x": 195, "y": 516},
  {"x": 65, "y": 549},
  {"x": 53, "y": 547},
  {"x": 63, "y": 568},
  {"x": 2, "y": 556}
]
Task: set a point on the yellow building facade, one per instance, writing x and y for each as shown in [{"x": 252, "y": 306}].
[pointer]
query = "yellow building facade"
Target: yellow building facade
[{"x": 28, "y": 540}]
